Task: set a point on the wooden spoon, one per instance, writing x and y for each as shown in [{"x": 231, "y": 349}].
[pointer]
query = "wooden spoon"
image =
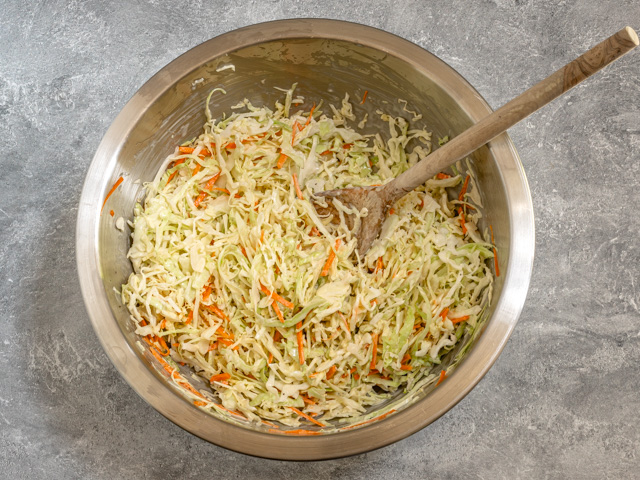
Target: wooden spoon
[{"x": 378, "y": 200}]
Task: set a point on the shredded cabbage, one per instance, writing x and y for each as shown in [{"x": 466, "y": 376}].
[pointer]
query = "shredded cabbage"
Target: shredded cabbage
[{"x": 223, "y": 245}]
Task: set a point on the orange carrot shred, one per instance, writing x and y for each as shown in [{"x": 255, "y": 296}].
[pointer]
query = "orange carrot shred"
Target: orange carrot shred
[
  {"x": 442, "y": 176},
  {"x": 281, "y": 160},
  {"x": 196, "y": 169},
  {"x": 443, "y": 375},
  {"x": 300, "y": 342},
  {"x": 330, "y": 258},
  {"x": 189, "y": 318},
  {"x": 296, "y": 126},
  {"x": 207, "y": 187},
  {"x": 215, "y": 310},
  {"x": 220, "y": 377},
  {"x": 379, "y": 265},
  {"x": 331, "y": 372},
  {"x": 364, "y": 97},
  {"x": 113, "y": 189},
  {"x": 276, "y": 309},
  {"x": 276, "y": 297},
  {"x": 384, "y": 415},
  {"x": 392, "y": 211},
  {"x": 297, "y": 186},
  {"x": 463, "y": 224},
  {"x": 111, "y": 212},
  {"x": 206, "y": 293},
  {"x": 463, "y": 191},
  {"x": 308, "y": 417},
  {"x": 444, "y": 312},
  {"x": 230, "y": 145},
  {"x": 374, "y": 351},
  {"x": 176, "y": 163},
  {"x": 307, "y": 400},
  {"x": 310, "y": 115},
  {"x": 199, "y": 403},
  {"x": 406, "y": 367},
  {"x": 460, "y": 319},
  {"x": 163, "y": 324}
]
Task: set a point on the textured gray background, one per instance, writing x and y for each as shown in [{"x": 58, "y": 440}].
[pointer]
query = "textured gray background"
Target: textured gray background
[{"x": 562, "y": 400}]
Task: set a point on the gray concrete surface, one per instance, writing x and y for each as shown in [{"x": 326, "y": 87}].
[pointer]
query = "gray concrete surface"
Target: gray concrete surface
[{"x": 562, "y": 400}]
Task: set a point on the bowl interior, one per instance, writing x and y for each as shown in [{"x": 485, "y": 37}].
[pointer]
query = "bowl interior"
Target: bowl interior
[{"x": 169, "y": 109}]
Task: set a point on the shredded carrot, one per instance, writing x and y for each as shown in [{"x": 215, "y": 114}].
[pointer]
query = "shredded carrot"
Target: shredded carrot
[
  {"x": 380, "y": 417},
  {"x": 206, "y": 293},
  {"x": 300, "y": 342},
  {"x": 277, "y": 336},
  {"x": 392, "y": 211},
  {"x": 261, "y": 236},
  {"x": 199, "y": 403},
  {"x": 281, "y": 160},
  {"x": 374, "y": 351},
  {"x": 296, "y": 126},
  {"x": 463, "y": 191},
  {"x": 442, "y": 176},
  {"x": 172, "y": 372},
  {"x": 406, "y": 367},
  {"x": 495, "y": 253},
  {"x": 176, "y": 163},
  {"x": 215, "y": 310},
  {"x": 113, "y": 189},
  {"x": 163, "y": 345},
  {"x": 207, "y": 187},
  {"x": 460, "y": 319},
  {"x": 364, "y": 97},
  {"x": 314, "y": 232},
  {"x": 310, "y": 115},
  {"x": 196, "y": 170},
  {"x": 213, "y": 346},
  {"x": 189, "y": 318},
  {"x": 111, "y": 212},
  {"x": 326, "y": 152},
  {"x": 270, "y": 360},
  {"x": 163, "y": 324},
  {"x": 276, "y": 309},
  {"x": 186, "y": 150},
  {"x": 307, "y": 400},
  {"x": 308, "y": 417},
  {"x": 221, "y": 377},
  {"x": 331, "y": 372},
  {"x": 444, "y": 312},
  {"x": 347, "y": 146},
  {"x": 297, "y": 186},
  {"x": 379, "y": 265},
  {"x": 223, "y": 190},
  {"x": 443, "y": 375},
  {"x": 330, "y": 258},
  {"x": 276, "y": 297},
  {"x": 230, "y": 145},
  {"x": 463, "y": 224},
  {"x": 273, "y": 425}
]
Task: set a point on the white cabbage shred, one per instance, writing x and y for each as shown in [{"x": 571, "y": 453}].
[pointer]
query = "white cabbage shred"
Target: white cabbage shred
[{"x": 223, "y": 228}]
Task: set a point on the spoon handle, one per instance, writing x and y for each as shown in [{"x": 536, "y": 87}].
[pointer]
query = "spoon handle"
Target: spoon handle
[{"x": 513, "y": 112}]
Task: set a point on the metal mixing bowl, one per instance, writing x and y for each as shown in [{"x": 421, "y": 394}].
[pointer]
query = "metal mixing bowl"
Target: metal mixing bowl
[{"x": 327, "y": 59}]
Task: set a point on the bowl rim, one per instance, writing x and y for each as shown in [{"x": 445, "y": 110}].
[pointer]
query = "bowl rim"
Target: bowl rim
[{"x": 148, "y": 384}]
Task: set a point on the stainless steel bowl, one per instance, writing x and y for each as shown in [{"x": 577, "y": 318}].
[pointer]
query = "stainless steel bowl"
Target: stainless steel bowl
[{"x": 327, "y": 59}]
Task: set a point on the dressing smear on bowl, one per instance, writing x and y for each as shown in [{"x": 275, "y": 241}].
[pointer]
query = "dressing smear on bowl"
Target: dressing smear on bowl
[{"x": 236, "y": 275}]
